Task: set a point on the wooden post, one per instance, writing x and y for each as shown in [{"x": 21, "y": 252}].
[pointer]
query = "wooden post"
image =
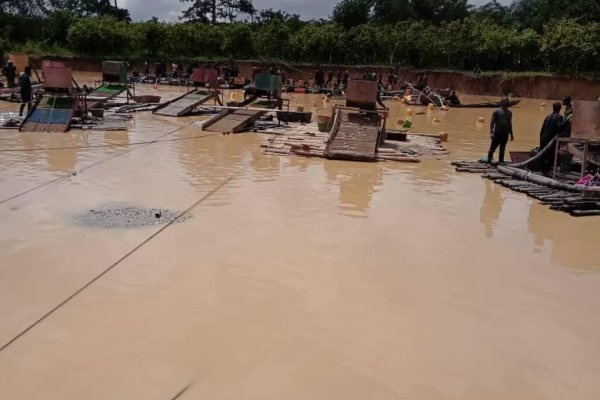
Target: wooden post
[
  {"x": 558, "y": 141},
  {"x": 584, "y": 158}
]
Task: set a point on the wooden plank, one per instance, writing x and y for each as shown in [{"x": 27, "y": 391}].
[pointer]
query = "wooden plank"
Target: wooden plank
[
  {"x": 234, "y": 121},
  {"x": 183, "y": 104}
]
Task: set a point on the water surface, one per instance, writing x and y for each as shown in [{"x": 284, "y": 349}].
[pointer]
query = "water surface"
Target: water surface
[{"x": 295, "y": 278}]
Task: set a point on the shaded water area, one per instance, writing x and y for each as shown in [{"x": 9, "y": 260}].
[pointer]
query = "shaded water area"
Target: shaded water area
[{"x": 293, "y": 278}]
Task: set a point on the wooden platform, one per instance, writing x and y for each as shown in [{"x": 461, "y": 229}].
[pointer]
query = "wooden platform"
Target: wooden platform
[
  {"x": 353, "y": 139},
  {"x": 232, "y": 121},
  {"x": 558, "y": 195},
  {"x": 184, "y": 104},
  {"x": 306, "y": 140}
]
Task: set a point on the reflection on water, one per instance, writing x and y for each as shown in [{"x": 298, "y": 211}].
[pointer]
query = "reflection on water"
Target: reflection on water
[
  {"x": 572, "y": 242},
  {"x": 358, "y": 182},
  {"x": 270, "y": 291},
  {"x": 491, "y": 207}
]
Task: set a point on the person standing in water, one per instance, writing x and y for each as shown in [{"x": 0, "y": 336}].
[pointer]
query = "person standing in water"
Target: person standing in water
[
  {"x": 500, "y": 130},
  {"x": 26, "y": 90}
]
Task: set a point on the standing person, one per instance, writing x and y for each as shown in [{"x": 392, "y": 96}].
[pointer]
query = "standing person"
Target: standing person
[
  {"x": 554, "y": 125},
  {"x": 146, "y": 68},
  {"x": 568, "y": 115},
  {"x": 329, "y": 78},
  {"x": 345, "y": 79},
  {"x": 10, "y": 71},
  {"x": 339, "y": 78},
  {"x": 500, "y": 130},
  {"x": 26, "y": 90},
  {"x": 319, "y": 77}
]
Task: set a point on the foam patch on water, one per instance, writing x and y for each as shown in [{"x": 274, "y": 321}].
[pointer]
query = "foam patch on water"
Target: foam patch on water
[{"x": 128, "y": 217}]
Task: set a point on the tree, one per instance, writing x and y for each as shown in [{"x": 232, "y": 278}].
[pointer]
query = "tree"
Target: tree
[
  {"x": 440, "y": 10},
  {"x": 268, "y": 15},
  {"x": 273, "y": 39},
  {"x": 494, "y": 12},
  {"x": 352, "y": 13},
  {"x": 57, "y": 26},
  {"x": 237, "y": 41},
  {"x": 536, "y": 13},
  {"x": 391, "y": 11},
  {"x": 570, "y": 46},
  {"x": 212, "y": 10}
]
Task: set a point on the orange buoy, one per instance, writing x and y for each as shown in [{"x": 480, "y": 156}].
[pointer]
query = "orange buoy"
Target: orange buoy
[
  {"x": 399, "y": 121},
  {"x": 409, "y": 112},
  {"x": 481, "y": 120},
  {"x": 436, "y": 120},
  {"x": 444, "y": 136}
]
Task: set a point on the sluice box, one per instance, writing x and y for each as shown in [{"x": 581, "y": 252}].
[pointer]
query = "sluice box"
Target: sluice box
[
  {"x": 586, "y": 120},
  {"x": 114, "y": 71},
  {"x": 57, "y": 77},
  {"x": 361, "y": 92}
]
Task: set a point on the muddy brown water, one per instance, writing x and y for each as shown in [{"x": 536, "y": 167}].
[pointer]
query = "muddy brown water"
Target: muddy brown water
[{"x": 294, "y": 278}]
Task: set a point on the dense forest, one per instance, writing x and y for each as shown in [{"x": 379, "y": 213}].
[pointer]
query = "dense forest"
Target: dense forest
[{"x": 529, "y": 35}]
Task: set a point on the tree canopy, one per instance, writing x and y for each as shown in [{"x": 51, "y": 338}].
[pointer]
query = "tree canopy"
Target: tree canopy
[{"x": 553, "y": 35}]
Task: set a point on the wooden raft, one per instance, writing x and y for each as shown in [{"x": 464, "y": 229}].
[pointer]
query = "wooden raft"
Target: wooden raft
[
  {"x": 560, "y": 196},
  {"x": 307, "y": 140},
  {"x": 183, "y": 104},
  {"x": 232, "y": 121}
]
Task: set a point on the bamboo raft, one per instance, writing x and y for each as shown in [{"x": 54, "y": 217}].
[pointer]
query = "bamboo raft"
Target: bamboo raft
[
  {"x": 306, "y": 140},
  {"x": 560, "y": 196}
]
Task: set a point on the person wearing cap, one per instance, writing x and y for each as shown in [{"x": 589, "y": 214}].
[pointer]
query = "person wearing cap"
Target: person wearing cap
[
  {"x": 500, "y": 130},
  {"x": 10, "y": 71}
]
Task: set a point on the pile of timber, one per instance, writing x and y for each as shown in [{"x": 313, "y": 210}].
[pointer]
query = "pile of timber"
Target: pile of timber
[
  {"x": 560, "y": 196},
  {"x": 307, "y": 140}
]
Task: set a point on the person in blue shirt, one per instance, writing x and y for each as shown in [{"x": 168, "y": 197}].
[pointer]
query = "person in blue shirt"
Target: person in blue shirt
[{"x": 26, "y": 90}]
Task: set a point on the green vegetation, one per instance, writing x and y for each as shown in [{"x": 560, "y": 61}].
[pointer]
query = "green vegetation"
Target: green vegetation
[{"x": 559, "y": 36}]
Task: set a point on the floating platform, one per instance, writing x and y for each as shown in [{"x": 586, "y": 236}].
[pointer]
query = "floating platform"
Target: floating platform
[
  {"x": 306, "y": 140},
  {"x": 51, "y": 114},
  {"x": 184, "y": 104}
]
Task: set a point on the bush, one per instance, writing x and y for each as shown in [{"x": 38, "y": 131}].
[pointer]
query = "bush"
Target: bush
[
  {"x": 99, "y": 36},
  {"x": 568, "y": 46}
]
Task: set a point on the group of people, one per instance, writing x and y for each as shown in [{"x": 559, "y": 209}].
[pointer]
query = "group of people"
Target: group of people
[
  {"x": 337, "y": 79},
  {"x": 25, "y": 87},
  {"x": 555, "y": 124}
]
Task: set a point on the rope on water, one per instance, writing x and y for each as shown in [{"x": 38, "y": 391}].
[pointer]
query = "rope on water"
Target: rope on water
[
  {"x": 131, "y": 252},
  {"x": 65, "y": 177},
  {"x": 95, "y": 146}
]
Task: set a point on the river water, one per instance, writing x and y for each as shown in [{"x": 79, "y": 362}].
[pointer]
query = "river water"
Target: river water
[{"x": 294, "y": 278}]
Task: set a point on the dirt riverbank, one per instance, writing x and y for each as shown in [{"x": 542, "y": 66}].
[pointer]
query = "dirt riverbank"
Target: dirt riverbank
[{"x": 496, "y": 84}]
